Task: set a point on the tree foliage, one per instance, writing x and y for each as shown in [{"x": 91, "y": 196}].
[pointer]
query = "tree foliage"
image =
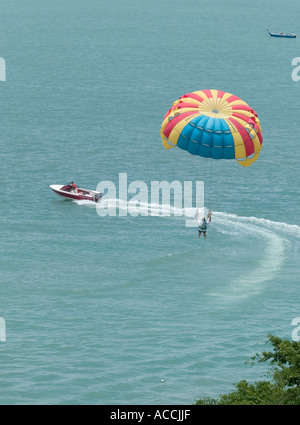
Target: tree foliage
[{"x": 283, "y": 387}]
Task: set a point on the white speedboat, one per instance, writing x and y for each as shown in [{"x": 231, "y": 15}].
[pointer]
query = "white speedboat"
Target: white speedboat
[{"x": 71, "y": 191}]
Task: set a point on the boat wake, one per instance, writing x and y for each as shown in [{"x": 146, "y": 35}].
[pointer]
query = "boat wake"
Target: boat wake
[
  {"x": 135, "y": 209},
  {"x": 274, "y": 226},
  {"x": 85, "y": 202},
  {"x": 271, "y": 254},
  {"x": 141, "y": 209},
  {"x": 273, "y": 239}
]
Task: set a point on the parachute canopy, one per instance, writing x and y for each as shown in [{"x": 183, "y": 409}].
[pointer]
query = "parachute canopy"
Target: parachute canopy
[{"x": 213, "y": 124}]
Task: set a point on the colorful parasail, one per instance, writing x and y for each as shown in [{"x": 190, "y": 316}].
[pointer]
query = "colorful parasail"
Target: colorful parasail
[{"x": 213, "y": 124}]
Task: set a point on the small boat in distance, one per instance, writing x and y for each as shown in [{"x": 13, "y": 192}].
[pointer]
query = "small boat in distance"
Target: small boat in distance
[
  {"x": 71, "y": 191},
  {"x": 281, "y": 34}
]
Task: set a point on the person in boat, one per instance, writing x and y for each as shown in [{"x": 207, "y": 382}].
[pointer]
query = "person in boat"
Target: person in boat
[
  {"x": 74, "y": 188},
  {"x": 202, "y": 228}
]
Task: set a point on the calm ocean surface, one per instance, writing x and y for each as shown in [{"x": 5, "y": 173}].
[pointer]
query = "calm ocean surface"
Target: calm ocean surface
[{"x": 103, "y": 310}]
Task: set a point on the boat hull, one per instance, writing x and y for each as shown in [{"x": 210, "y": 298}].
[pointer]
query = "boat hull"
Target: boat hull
[
  {"x": 272, "y": 34},
  {"x": 282, "y": 36}
]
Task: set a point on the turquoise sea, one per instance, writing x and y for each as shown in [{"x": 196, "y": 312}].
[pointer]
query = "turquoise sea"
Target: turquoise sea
[{"x": 139, "y": 310}]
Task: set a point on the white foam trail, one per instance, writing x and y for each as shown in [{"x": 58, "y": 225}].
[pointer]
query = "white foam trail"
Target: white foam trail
[
  {"x": 291, "y": 229},
  {"x": 161, "y": 210},
  {"x": 134, "y": 208},
  {"x": 271, "y": 259},
  {"x": 270, "y": 263},
  {"x": 85, "y": 202}
]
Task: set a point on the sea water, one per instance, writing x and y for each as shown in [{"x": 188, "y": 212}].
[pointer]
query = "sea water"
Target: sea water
[{"x": 139, "y": 310}]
